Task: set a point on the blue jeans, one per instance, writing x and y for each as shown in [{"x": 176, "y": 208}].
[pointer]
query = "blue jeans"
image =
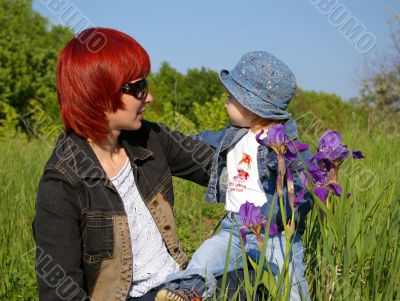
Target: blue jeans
[{"x": 209, "y": 260}]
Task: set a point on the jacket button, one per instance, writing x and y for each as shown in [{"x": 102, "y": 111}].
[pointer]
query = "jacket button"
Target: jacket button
[{"x": 167, "y": 227}]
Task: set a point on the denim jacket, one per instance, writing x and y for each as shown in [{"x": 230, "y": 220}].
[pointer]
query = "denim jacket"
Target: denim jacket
[{"x": 267, "y": 169}]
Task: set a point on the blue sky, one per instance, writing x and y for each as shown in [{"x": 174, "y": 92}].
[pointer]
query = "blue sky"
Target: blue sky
[{"x": 215, "y": 34}]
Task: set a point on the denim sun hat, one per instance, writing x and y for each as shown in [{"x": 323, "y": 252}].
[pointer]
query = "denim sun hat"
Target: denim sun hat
[{"x": 261, "y": 83}]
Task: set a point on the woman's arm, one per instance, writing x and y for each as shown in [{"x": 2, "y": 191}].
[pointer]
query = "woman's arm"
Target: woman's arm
[
  {"x": 58, "y": 239},
  {"x": 187, "y": 157}
]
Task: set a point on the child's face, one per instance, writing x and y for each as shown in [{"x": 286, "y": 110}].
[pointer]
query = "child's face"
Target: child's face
[{"x": 238, "y": 114}]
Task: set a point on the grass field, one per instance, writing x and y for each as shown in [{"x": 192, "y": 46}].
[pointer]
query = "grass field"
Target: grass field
[{"x": 357, "y": 259}]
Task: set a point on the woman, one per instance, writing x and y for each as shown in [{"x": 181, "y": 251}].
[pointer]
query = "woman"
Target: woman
[{"x": 104, "y": 226}]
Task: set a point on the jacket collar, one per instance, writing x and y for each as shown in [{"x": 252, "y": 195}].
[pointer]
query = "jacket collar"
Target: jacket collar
[
  {"x": 81, "y": 158},
  {"x": 232, "y": 135},
  {"x": 134, "y": 151}
]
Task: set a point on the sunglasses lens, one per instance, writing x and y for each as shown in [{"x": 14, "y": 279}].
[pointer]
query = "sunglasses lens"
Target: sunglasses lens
[
  {"x": 138, "y": 89},
  {"x": 141, "y": 91}
]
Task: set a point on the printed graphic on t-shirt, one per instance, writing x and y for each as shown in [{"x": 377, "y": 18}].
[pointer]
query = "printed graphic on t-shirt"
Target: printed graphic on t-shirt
[{"x": 243, "y": 168}]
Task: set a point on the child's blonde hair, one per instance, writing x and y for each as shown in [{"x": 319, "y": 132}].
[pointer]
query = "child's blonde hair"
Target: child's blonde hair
[{"x": 259, "y": 123}]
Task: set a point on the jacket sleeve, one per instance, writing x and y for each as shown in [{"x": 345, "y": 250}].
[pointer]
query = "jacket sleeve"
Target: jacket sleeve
[
  {"x": 58, "y": 239},
  {"x": 212, "y": 138},
  {"x": 187, "y": 157}
]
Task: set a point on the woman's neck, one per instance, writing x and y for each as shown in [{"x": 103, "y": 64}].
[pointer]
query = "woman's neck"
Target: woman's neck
[{"x": 108, "y": 149}]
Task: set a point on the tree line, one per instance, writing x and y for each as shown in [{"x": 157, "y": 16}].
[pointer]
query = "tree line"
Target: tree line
[{"x": 189, "y": 101}]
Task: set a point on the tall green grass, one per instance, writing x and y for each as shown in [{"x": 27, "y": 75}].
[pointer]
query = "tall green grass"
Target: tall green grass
[
  {"x": 21, "y": 164},
  {"x": 359, "y": 260}
]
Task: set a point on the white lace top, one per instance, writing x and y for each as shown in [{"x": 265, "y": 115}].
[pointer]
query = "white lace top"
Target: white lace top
[{"x": 151, "y": 260}]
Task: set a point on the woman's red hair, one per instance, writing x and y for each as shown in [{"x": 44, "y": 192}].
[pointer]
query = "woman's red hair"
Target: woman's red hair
[{"x": 90, "y": 71}]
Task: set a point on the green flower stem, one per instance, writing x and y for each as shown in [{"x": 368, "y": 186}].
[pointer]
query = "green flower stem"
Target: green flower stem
[{"x": 279, "y": 188}]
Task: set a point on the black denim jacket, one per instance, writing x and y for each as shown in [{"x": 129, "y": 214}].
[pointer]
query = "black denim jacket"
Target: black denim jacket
[{"x": 81, "y": 229}]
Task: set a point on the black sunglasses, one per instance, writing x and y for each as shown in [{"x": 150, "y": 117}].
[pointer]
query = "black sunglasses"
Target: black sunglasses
[{"x": 137, "y": 89}]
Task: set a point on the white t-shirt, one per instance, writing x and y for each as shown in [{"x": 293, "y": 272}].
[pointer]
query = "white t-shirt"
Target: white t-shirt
[{"x": 243, "y": 179}]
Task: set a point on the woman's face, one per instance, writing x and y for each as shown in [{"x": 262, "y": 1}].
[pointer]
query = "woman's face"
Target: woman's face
[
  {"x": 238, "y": 114},
  {"x": 131, "y": 117}
]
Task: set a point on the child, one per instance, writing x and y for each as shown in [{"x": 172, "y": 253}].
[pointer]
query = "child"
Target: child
[{"x": 260, "y": 88}]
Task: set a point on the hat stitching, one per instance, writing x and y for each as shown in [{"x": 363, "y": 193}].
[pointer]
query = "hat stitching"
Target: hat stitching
[{"x": 274, "y": 72}]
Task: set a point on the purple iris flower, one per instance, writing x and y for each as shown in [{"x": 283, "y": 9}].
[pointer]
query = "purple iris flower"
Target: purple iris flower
[
  {"x": 331, "y": 153},
  {"x": 251, "y": 215},
  {"x": 280, "y": 142},
  {"x": 319, "y": 176},
  {"x": 291, "y": 154},
  {"x": 277, "y": 138},
  {"x": 332, "y": 150},
  {"x": 252, "y": 218},
  {"x": 323, "y": 183}
]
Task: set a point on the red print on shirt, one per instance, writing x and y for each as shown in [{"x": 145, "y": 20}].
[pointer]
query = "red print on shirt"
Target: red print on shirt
[{"x": 243, "y": 168}]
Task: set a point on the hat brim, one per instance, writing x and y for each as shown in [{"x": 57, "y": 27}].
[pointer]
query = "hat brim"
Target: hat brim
[{"x": 251, "y": 101}]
